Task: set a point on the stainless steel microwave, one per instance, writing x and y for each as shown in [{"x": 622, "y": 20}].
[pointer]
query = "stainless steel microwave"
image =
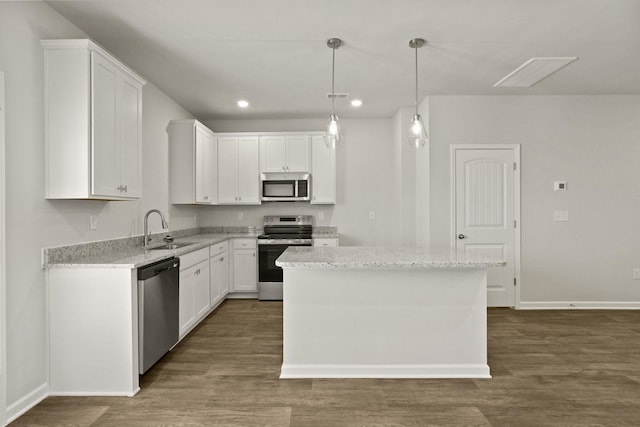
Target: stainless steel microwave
[{"x": 285, "y": 187}]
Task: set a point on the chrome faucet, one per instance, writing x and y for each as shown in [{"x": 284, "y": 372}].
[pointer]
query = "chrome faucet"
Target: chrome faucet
[{"x": 147, "y": 235}]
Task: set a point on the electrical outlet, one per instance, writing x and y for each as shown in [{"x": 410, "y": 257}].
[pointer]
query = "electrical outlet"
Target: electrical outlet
[
  {"x": 636, "y": 274},
  {"x": 372, "y": 216},
  {"x": 93, "y": 222},
  {"x": 240, "y": 216}
]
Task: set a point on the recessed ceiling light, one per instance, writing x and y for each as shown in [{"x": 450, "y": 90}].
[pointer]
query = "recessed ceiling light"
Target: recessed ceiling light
[
  {"x": 533, "y": 71},
  {"x": 356, "y": 103},
  {"x": 243, "y": 104}
]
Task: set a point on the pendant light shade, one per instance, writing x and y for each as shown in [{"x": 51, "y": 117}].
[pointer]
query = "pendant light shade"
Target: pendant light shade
[
  {"x": 332, "y": 132},
  {"x": 417, "y": 131}
]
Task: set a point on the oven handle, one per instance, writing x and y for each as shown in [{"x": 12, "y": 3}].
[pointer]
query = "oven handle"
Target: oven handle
[{"x": 297, "y": 242}]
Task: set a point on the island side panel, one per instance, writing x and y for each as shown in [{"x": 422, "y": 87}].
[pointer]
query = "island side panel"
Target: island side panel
[
  {"x": 377, "y": 323},
  {"x": 93, "y": 331}
]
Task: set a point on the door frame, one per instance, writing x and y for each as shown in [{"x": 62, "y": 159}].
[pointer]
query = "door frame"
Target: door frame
[
  {"x": 3, "y": 271},
  {"x": 452, "y": 198}
]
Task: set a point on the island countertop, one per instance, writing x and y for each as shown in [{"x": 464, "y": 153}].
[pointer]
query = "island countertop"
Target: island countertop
[{"x": 366, "y": 257}]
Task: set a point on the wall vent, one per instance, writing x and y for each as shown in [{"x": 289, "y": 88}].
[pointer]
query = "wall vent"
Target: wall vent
[{"x": 337, "y": 95}]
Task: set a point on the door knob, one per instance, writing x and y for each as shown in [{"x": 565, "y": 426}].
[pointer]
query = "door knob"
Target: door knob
[{"x": 461, "y": 236}]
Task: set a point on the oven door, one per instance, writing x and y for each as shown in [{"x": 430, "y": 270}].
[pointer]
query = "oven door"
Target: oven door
[{"x": 269, "y": 274}]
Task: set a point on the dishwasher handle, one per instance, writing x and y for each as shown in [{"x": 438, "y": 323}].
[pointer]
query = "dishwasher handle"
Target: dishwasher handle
[{"x": 151, "y": 270}]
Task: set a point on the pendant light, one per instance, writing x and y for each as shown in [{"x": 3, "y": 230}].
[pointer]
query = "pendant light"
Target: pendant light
[
  {"x": 417, "y": 132},
  {"x": 332, "y": 132}
]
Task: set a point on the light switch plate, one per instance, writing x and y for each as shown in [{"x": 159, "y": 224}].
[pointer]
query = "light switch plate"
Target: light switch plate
[
  {"x": 559, "y": 186},
  {"x": 372, "y": 216},
  {"x": 636, "y": 274},
  {"x": 561, "y": 216}
]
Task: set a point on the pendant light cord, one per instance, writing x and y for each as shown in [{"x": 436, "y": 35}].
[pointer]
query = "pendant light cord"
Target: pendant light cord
[
  {"x": 333, "y": 76},
  {"x": 416, "y": 50}
]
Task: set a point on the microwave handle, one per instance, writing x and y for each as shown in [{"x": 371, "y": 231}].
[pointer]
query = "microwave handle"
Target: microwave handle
[{"x": 295, "y": 189}]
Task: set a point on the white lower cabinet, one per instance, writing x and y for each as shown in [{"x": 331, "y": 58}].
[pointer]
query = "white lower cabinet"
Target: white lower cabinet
[
  {"x": 245, "y": 277},
  {"x": 93, "y": 331},
  {"x": 219, "y": 272},
  {"x": 195, "y": 299}
]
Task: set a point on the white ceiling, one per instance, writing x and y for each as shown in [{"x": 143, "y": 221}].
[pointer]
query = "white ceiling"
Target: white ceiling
[{"x": 207, "y": 54}]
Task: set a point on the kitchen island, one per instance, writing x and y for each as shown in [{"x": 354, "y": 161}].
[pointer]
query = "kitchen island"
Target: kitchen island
[{"x": 371, "y": 312}]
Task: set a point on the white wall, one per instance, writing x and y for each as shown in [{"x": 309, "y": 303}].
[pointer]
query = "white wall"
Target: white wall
[
  {"x": 32, "y": 221},
  {"x": 592, "y": 142},
  {"x": 365, "y": 174}
]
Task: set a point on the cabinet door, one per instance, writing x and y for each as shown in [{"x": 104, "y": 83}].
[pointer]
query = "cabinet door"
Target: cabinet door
[
  {"x": 202, "y": 296},
  {"x": 104, "y": 149},
  {"x": 248, "y": 171},
  {"x": 206, "y": 167},
  {"x": 273, "y": 157},
  {"x": 244, "y": 270},
  {"x": 186, "y": 314},
  {"x": 323, "y": 172},
  {"x": 129, "y": 99},
  {"x": 298, "y": 153},
  {"x": 219, "y": 271},
  {"x": 227, "y": 170}
]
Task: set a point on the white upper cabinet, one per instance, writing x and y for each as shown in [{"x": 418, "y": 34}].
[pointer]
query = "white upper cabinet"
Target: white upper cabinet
[
  {"x": 323, "y": 172},
  {"x": 93, "y": 123},
  {"x": 193, "y": 159},
  {"x": 238, "y": 170},
  {"x": 284, "y": 153}
]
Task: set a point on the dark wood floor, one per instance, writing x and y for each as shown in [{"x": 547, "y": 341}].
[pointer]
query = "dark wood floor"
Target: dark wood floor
[{"x": 549, "y": 368}]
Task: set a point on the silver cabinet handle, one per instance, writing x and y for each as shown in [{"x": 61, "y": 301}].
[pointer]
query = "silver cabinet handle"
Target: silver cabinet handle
[
  {"x": 206, "y": 197},
  {"x": 461, "y": 236}
]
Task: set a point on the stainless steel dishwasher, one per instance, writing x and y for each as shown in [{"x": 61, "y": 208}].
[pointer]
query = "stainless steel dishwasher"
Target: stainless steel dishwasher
[{"x": 158, "y": 308}]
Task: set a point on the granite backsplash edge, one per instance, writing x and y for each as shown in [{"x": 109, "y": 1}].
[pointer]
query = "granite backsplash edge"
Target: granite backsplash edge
[{"x": 68, "y": 253}]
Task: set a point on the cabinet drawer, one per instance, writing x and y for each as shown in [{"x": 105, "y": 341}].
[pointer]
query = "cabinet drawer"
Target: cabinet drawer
[
  {"x": 244, "y": 243},
  {"x": 325, "y": 242},
  {"x": 218, "y": 248},
  {"x": 192, "y": 258}
]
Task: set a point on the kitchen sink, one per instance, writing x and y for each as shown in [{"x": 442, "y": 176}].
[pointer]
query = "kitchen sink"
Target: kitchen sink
[{"x": 170, "y": 246}]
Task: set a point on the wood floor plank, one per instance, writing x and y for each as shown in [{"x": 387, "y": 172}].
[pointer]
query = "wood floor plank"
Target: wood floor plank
[{"x": 555, "y": 368}]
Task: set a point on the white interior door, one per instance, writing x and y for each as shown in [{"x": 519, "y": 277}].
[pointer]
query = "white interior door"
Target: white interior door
[{"x": 485, "y": 212}]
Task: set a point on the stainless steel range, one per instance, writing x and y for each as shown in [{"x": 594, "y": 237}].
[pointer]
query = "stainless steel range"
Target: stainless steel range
[{"x": 280, "y": 232}]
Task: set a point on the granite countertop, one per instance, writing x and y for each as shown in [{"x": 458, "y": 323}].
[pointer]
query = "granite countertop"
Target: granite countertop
[
  {"x": 357, "y": 257},
  {"x": 113, "y": 254}
]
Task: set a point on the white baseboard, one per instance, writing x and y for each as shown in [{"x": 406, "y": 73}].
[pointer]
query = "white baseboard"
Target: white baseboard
[
  {"x": 94, "y": 393},
  {"x": 385, "y": 371},
  {"x": 27, "y": 402},
  {"x": 242, "y": 295},
  {"x": 579, "y": 305}
]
